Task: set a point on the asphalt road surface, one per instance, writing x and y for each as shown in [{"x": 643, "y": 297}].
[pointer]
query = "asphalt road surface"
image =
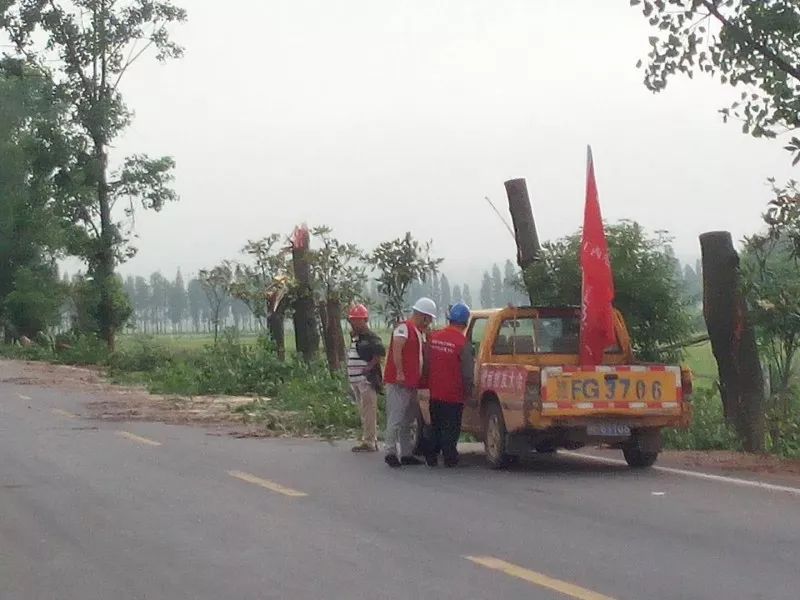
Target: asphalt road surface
[{"x": 118, "y": 511}]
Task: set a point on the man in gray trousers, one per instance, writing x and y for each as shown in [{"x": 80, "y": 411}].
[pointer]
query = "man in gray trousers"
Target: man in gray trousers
[{"x": 403, "y": 376}]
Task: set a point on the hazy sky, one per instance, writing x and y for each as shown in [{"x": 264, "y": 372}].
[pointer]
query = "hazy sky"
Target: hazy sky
[{"x": 379, "y": 117}]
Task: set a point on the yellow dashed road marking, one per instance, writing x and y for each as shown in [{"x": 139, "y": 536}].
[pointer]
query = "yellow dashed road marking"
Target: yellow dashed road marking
[
  {"x": 138, "y": 439},
  {"x": 562, "y": 587},
  {"x": 64, "y": 413},
  {"x": 267, "y": 484}
]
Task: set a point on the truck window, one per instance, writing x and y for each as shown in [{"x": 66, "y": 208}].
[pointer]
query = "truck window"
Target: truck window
[
  {"x": 542, "y": 335},
  {"x": 477, "y": 331}
]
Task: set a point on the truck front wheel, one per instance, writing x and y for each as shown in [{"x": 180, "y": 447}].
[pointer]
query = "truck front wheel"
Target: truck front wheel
[
  {"x": 494, "y": 426},
  {"x": 639, "y": 459}
]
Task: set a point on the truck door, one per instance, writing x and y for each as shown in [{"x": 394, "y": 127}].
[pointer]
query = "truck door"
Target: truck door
[{"x": 471, "y": 420}]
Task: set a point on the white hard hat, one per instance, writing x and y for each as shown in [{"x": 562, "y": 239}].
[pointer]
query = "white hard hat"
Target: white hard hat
[{"x": 426, "y": 306}]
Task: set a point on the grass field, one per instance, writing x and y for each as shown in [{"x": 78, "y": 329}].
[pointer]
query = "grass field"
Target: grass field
[{"x": 699, "y": 358}]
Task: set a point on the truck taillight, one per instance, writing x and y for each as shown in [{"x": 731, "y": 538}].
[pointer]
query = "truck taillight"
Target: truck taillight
[
  {"x": 533, "y": 384},
  {"x": 687, "y": 387}
]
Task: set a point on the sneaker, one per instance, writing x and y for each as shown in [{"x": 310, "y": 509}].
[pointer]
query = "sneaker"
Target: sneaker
[
  {"x": 392, "y": 460},
  {"x": 365, "y": 447},
  {"x": 410, "y": 461},
  {"x": 432, "y": 461}
]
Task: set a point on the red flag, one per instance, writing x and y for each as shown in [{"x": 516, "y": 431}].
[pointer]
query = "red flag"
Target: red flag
[{"x": 597, "y": 314}]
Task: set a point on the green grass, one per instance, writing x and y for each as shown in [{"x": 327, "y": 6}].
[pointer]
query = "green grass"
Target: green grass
[{"x": 701, "y": 361}]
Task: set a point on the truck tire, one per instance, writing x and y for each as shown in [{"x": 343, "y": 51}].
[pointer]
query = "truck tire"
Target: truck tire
[
  {"x": 639, "y": 459},
  {"x": 546, "y": 448},
  {"x": 494, "y": 427}
]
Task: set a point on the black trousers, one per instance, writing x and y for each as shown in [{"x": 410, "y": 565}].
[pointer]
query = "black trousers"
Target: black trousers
[{"x": 445, "y": 429}]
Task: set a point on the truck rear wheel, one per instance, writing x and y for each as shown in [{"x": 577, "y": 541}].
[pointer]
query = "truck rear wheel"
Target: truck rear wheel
[
  {"x": 494, "y": 427},
  {"x": 639, "y": 459}
]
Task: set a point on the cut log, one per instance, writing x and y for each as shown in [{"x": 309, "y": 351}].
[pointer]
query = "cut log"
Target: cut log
[
  {"x": 525, "y": 235},
  {"x": 305, "y": 319}
]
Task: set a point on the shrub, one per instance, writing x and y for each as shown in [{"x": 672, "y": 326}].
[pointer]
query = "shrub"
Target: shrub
[{"x": 708, "y": 430}]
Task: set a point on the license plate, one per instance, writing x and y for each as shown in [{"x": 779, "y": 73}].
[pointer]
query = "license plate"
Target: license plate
[
  {"x": 646, "y": 387},
  {"x": 608, "y": 430}
]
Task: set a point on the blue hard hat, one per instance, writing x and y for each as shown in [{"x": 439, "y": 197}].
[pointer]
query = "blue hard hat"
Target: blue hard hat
[{"x": 459, "y": 313}]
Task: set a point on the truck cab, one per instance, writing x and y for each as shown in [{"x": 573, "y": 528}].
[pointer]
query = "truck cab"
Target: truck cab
[{"x": 532, "y": 395}]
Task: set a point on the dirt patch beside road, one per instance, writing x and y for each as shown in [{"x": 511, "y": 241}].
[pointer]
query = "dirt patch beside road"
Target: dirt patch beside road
[{"x": 112, "y": 402}]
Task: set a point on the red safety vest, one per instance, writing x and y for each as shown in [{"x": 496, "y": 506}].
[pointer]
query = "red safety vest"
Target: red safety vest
[
  {"x": 444, "y": 378},
  {"x": 411, "y": 359}
]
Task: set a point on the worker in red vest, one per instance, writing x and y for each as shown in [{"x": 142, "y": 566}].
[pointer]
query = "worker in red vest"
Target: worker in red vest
[
  {"x": 451, "y": 382},
  {"x": 403, "y": 376}
]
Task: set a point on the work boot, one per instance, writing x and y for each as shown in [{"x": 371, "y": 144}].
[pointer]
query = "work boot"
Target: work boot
[
  {"x": 410, "y": 461},
  {"x": 392, "y": 460},
  {"x": 365, "y": 447}
]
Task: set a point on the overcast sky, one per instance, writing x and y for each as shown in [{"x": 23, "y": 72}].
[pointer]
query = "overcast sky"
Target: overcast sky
[{"x": 379, "y": 117}]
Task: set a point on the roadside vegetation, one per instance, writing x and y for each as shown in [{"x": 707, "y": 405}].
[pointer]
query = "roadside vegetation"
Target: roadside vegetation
[{"x": 61, "y": 111}]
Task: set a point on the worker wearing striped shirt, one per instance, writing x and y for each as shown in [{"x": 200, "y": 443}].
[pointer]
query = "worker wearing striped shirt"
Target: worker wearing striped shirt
[{"x": 364, "y": 372}]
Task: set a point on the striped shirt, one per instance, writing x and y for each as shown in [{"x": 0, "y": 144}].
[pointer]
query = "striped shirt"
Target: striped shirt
[{"x": 355, "y": 365}]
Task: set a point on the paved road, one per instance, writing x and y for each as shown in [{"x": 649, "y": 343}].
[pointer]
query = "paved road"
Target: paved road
[{"x": 149, "y": 511}]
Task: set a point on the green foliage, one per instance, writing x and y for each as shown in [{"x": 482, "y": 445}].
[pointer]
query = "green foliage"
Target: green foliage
[
  {"x": 783, "y": 214},
  {"x": 647, "y": 291},
  {"x": 91, "y": 313},
  {"x": 746, "y": 44},
  {"x": 771, "y": 278},
  {"x": 784, "y": 433},
  {"x": 90, "y": 45},
  {"x": 32, "y": 230},
  {"x": 293, "y": 396},
  {"x": 216, "y": 284},
  {"x": 708, "y": 430},
  {"x": 35, "y": 302},
  {"x": 338, "y": 268},
  {"x": 399, "y": 263},
  {"x": 263, "y": 284}
]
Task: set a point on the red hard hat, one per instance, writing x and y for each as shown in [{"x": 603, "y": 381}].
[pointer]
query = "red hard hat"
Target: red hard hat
[{"x": 359, "y": 311}]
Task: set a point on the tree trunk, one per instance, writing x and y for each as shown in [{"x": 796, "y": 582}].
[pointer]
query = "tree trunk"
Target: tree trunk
[
  {"x": 525, "y": 234},
  {"x": 330, "y": 354},
  {"x": 733, "y": 341},
  {"x": 275, "y": 323},
  {"x": 105, "y": 257},
  {"x": 331, "y": 317},
  {"x": 305, "y": 321}
]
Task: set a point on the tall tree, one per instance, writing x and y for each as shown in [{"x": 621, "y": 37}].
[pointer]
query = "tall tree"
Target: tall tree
[
  {"x": 32, "y": 231},
  {"x": 487, "y": 296},
  {"x": 398, "y": 263},
  {"x": 142, "y": 302},
  {"x": 91, "y": 45},
  {"x": 467, "y": 296},
  {"x": 750, "y": 45},
  {"x": 446, "y": 293},
  {"x": 178, "y": 302},
  {"x": 457, "y": 296},
  {"x": 216, "y": 285},
  {"x": 159, "y": 301},
  {"x": 498, "y": 289},
  {"x": 197, "y": 303}
]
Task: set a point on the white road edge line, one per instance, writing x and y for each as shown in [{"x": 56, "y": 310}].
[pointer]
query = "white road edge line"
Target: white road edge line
[{"x": 696, "y": 474}]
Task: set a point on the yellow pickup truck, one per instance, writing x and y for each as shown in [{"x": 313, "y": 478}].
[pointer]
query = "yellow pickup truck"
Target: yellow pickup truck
[{"x": 532, "y": 395}]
